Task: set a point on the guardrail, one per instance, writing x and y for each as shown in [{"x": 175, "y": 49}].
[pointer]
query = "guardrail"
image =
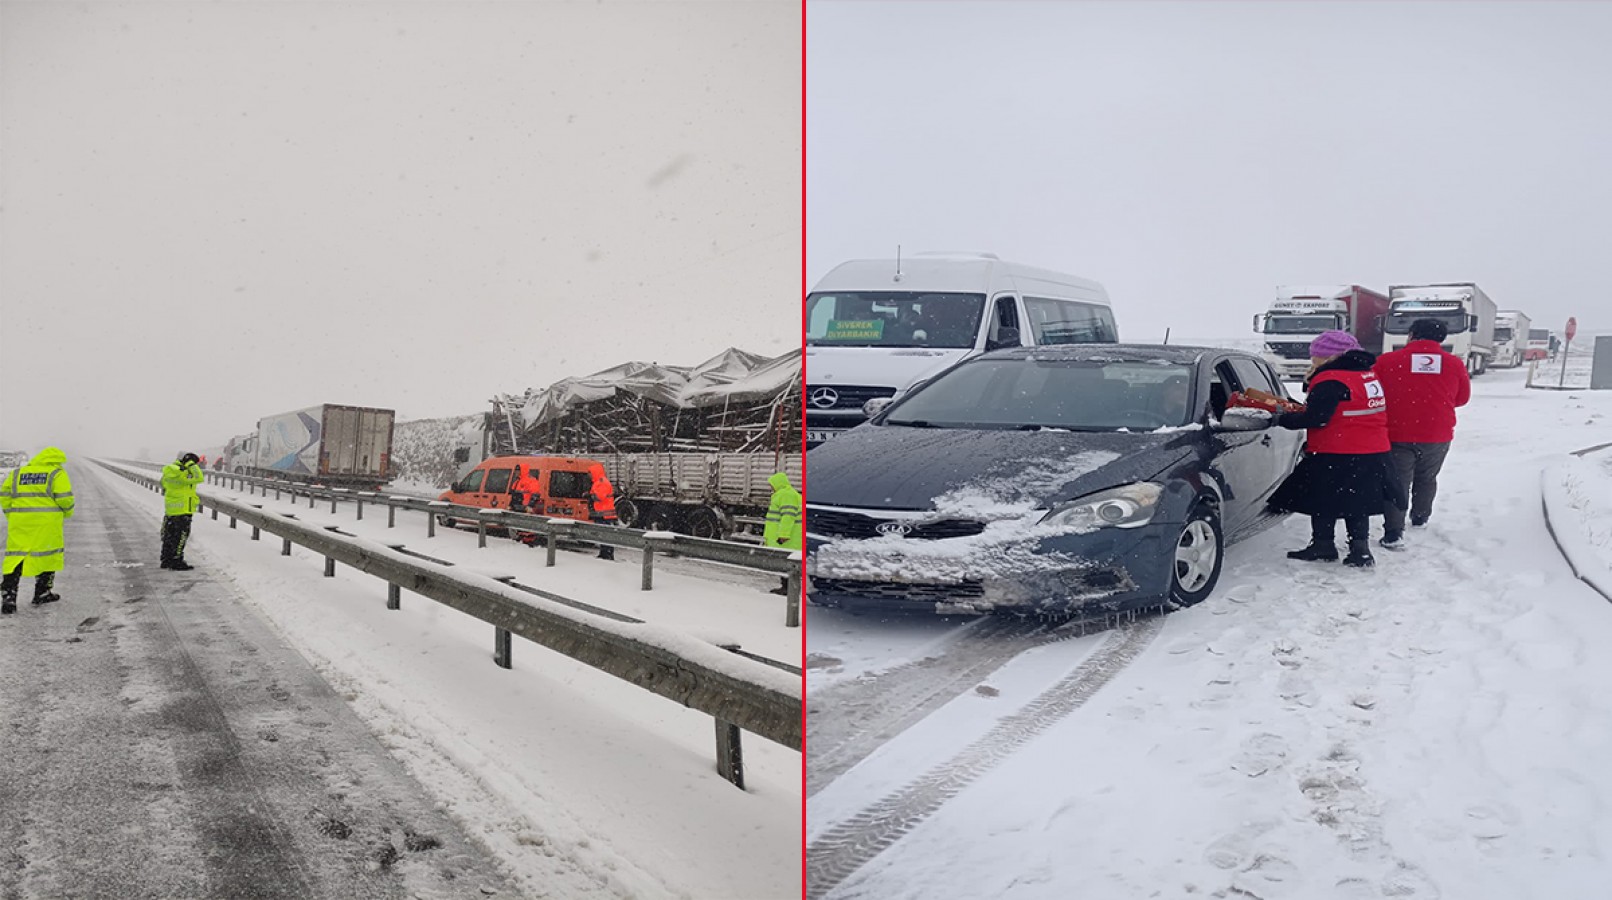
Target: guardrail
[
  {"x": 784, "y": 563},
  {"x": 741, "y": 691}
]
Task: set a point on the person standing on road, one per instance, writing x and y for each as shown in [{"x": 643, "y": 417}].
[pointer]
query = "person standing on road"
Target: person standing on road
[
  {"x": 783, "y": 520},
  {"x": 179, "y": 480},
  {"x": 527, "y": 491},
  {"x": 1345, "y": 473},
  {"x": 37, "y": 499},
  {"x": 602, "y": 505},
  {"x": 1424, "y": 385}
]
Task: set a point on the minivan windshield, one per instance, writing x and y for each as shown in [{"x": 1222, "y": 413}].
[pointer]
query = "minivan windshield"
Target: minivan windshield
[
  {"x": 1028, "y": 394},
  {"x": 893, "y": 319}
]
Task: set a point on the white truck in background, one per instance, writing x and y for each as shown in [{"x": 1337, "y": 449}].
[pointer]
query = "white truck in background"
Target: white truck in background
[
  {"x": 1510, "y": 338},
  {"x": 326, "y": 444},
  {"x": 1464, "y": 309},
  {"x": 1298, "y": 315}
]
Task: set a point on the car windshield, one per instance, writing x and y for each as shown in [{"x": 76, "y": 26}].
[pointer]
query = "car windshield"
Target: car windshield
[
  {"x": 1404, "y": 312},
  {"x": 1275, "y": 324},
  {"x": 893, "y": 319},
  {"x": 1031, "y": 393}
]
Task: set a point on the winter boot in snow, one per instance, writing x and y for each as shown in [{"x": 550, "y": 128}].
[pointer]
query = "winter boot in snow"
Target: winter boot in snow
[
  {"x": 41, "y": 599},
  {"x": 1392, "y": 540},
  {"x": 1359, "y": 555},
  {"x": 8, "y": 606},
  {"x": 1418, "y": 521},
  {"x": 1316, "y": 552}
]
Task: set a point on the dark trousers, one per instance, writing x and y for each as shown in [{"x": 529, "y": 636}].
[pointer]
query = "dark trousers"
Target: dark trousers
[
  {"x": 1418, "y": 466},
  {"x": 1324, "y": 529},
  {"x": 175, "y": 534},
  {"x": 12, "y": 581}
]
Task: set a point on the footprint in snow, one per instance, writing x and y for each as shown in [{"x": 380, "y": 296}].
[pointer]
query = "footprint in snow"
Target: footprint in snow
[
  {"x": 1261, "y": 753},
  {"x": 1408, "y": 880}
]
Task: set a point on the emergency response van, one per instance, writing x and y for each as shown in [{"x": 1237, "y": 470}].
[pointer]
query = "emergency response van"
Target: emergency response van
[
  {"x": 875, "y": 327},
  {"x": 564, "y": 485}
]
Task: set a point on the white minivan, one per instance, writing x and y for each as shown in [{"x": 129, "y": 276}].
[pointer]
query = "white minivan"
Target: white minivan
[{"x": 875, "y": 327}]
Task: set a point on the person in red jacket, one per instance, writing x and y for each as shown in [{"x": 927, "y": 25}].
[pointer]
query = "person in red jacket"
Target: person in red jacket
[
  {"x": 1424, "y": 386},
  {"x": 1345, "y": 473},
  {"x": 602, "y": 505}
]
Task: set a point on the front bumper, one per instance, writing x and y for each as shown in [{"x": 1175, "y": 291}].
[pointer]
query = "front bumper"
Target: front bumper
[{"x": 1106, "y": 569}]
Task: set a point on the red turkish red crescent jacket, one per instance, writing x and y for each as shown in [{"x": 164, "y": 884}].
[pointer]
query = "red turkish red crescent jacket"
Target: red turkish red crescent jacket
[
  {"x": 1424, "y": 386},
  {"x": 1360, "y": 424}
]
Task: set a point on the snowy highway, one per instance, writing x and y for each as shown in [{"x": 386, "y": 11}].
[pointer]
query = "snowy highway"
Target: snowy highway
[
  {"x": 1436, "y": 727},
  {"x": 255, "y": 728}
]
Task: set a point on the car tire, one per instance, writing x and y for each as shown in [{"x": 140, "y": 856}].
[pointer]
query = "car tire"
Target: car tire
[
  {"x": 1196, "y": 560},
  {"x": 446, "y": 522}
]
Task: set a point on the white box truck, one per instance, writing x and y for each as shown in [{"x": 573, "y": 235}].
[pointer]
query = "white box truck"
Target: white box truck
[
  {"x": 1511, "y": 329},
  {"x": 875, "y": 327},
  {"x": 1464, "y": 309},
  {"x": 1298, "y": 315},
  {"x": 330, "y": 444}
]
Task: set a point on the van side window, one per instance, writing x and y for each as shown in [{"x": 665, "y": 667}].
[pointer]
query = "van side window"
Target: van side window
[
  {"x": 497, "y": 481},
  {"x": 1069, "y": 322},
  {"x": 471, "y": 482},
  {"x": 1004, "y": 325},
  {"x": 570, "y": 485}
]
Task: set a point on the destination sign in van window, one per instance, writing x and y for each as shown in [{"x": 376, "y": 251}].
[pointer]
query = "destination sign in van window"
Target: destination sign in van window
[{"x": 852, "y": 330}]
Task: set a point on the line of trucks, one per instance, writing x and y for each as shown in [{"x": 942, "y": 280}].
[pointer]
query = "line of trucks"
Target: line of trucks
[
  {"x": 716, "y": 495},
  {"x": 1481, "y": 334}
]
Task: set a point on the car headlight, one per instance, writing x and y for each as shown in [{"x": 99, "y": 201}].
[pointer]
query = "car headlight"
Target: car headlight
[{"x": 1128, "y": 506}]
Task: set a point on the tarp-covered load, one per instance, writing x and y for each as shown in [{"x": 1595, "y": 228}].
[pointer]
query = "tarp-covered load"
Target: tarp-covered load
[{"x": 735, "y": 402}]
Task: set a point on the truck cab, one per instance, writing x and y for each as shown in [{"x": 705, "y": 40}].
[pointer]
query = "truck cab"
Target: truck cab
[
  {"x": 1299, "y": 315},
  {"x": 1511, "y": 329},
  {"x": 566, "y": 484}
]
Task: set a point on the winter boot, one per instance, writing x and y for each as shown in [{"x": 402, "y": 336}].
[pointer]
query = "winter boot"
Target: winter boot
[
  {"x": 1418, "y": 521},
  {"x": 178, "y": 565},
  {"x": 41, "y": 599},
  {"x": 1392, "y": 540},
  {"x": 8, "y": 606},
  {"x": 1359, "y": 555},
  {"x": 1316, "y": 552}
]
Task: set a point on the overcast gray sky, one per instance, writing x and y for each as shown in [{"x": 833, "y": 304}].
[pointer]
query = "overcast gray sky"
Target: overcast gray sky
[
  {"x": 1193, "y": 156},
  {"x": 210, "y": 212}
]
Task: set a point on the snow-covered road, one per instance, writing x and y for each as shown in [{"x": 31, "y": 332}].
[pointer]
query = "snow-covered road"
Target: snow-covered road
[
  {"x": 577, "y": 783},
  {"x": 1436, "y": 727}
]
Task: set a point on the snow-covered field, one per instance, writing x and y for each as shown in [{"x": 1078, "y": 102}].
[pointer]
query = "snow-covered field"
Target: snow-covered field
[
  {"x": 1439, "y": 726},
  {"x": 583, "y": 785}
]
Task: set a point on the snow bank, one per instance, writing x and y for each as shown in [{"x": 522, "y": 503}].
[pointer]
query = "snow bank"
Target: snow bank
[{"x": 1578, "y": 505}]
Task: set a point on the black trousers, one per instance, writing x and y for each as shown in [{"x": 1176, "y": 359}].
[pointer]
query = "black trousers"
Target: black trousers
[
  {"x": 175, "y": 533},
  {"x": 1324, "y": 530},
  {"x": 13, "y": 581}
]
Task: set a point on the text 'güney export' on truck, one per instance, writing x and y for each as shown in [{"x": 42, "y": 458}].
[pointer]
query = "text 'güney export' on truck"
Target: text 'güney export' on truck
[
  {"x": 330, "y": 444},
  {"x": 1463, "y": 307},
  {"x": 1298, "y": 315}
]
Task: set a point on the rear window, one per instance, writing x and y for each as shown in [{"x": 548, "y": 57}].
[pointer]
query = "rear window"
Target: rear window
[{"x": 570, "y": 485}]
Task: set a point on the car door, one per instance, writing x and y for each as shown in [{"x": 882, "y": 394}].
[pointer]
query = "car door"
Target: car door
[
  {"x": 1277, "y": 448},
  {"x": 1237, "y": 459},
  {"x": 495, "y": 493}
]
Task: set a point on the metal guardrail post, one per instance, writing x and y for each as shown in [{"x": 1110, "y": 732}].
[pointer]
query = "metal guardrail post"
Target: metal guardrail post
[
  {"x": 729, "y": 753},
  {"x": 310, "y": 499},
  {"x": 332, "y": 503},
  {"x": 360, "y": 502},
  {"x": 502, "y": 647},
  {"x": 652, "y": 545},
  {"x": 232, "y": 521},
  {"x": 276, "y": 492},
  {"x": 285, "y": 547},
  {"x": 551, "y": 532},
  {"x": 792, "y": 600},
  {"x": 330, "y": 567},
  {"x": 394, "y": 597},
  {"x": 481, "y": 532},
  {"x": 215, "y": 514},
  {"x": 256, "y": 532},
  {"x": 391, "y": 515}
]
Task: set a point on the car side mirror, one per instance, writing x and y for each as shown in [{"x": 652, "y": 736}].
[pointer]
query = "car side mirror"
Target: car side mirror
[
  {"x": 1242, "y": 418},
  {"x": 876, "y": 405}
]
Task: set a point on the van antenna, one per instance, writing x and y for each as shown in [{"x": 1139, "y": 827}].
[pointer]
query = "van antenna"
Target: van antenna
[{"x": 898, "y": 262}]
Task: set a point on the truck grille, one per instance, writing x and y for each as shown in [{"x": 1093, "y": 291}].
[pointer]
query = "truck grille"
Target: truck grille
[
  {"x": 842, "y": 396},
  {"x": 1289, "y": 349},
  {"x": 854, "y": 526},
  {"x": 891, "y": 590}
]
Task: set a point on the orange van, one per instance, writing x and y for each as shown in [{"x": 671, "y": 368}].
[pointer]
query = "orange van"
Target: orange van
[{"x": 564, "y": 482}]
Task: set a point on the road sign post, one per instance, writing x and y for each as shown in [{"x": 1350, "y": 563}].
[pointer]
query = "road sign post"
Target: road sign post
[{"x": 1572, "y": 329}]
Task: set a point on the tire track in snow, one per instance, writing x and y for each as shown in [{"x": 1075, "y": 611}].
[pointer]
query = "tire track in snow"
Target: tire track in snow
[{"x": 846, "y": 847}]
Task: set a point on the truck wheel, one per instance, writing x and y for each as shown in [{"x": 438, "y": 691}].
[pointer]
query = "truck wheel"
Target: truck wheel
[
  {"x": 704, "y": 523},
  {"x": 627, "y": 513}
]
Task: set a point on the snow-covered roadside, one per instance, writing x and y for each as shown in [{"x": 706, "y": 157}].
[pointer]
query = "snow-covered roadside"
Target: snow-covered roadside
[
  {"x": 1578, "y": 503},
  {"x": 553, "y": 760}
]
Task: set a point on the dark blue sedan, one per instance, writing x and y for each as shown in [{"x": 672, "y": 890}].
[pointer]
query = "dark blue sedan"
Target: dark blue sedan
[{"x": 1068, "y": 479}]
